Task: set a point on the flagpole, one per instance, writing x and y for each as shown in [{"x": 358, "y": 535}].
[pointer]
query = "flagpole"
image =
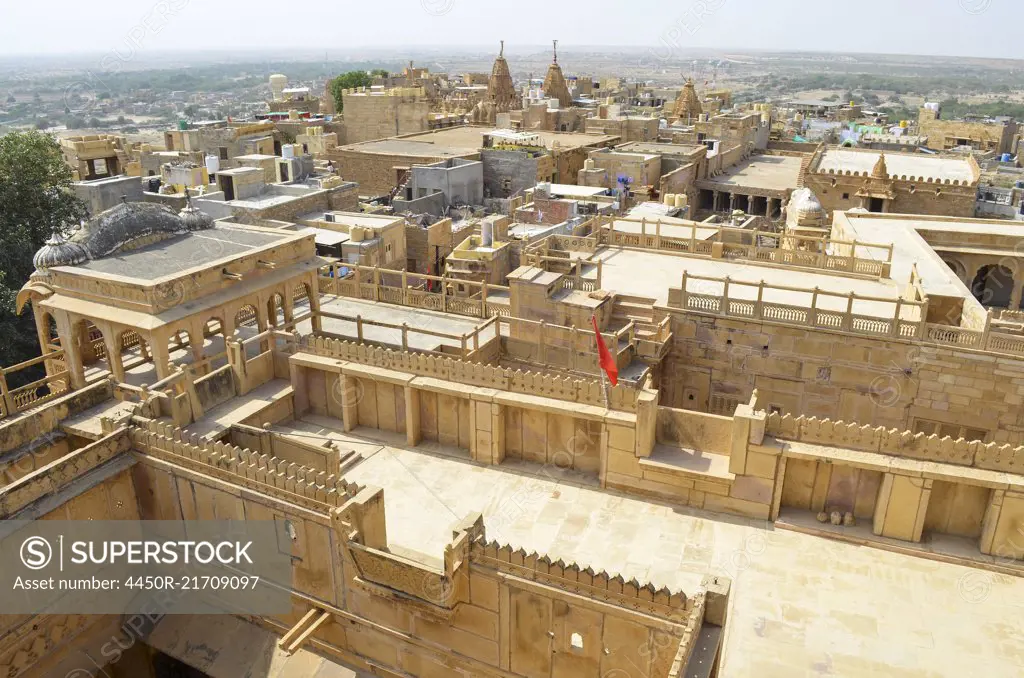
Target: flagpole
[{"x": 604, "y": 388}]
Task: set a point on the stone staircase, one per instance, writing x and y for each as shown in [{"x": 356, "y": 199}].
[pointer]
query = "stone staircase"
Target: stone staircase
[
  {"x": 631, "y": 308},
  {"x": 647, "y": 321}
]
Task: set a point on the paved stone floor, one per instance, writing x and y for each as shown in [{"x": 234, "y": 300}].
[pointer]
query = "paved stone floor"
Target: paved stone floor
[{"x": 801, "y": 605}]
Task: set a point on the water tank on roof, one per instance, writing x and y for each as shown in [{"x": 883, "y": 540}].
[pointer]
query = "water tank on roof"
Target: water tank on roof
[
  {"x": 288, "y": 151},
  {"x": 681, "y": 200},
  {"x": 212, "y": 164},
  {"x": 1006, "y": 157},
  {"x": 183, "y": 125},
  {"x": 356, "y": 234},
  {"x": 487, "y": 234},
  {"x": 670, "y": 199}
]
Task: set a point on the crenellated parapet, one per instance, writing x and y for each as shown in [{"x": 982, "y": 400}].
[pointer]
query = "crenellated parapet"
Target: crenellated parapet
[
  {"x": 585, "y": 391},
  {"x": 596, "y": 584},
  {"x": 312, "y": 489},
  {"x": 896, "y": 443}
]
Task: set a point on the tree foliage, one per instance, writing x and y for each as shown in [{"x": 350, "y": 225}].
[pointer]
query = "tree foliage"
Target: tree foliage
[
  {"x": 35, "y": 200},
  {"x": 345, "y": 81}
]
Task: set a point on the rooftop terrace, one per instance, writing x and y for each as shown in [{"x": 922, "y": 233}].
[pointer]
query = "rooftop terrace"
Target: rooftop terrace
[
  {"x": 927, "y": 167},
  {"x": 763, "y": 172},
  {"x": 183, "y": 252}
]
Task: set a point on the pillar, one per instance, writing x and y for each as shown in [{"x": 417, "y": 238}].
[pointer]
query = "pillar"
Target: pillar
[
  {"x": 1002, "y": 533},
  {"x": 1015, "y": 296},
  {"x": 314, "y": 303},
  {"x": 161, "y": 356},
  {"x": 350, "y": 395},
  {"x": 196, "y": 341},
  {"x": 289, "y": 305},
  {"x": 413, "y": 435},
  {"x": 487, "y": 424},
  {"x": 72, "y": 351},
  {"x": 114, "y": 355},
  {"x": 901, "y": 507}
]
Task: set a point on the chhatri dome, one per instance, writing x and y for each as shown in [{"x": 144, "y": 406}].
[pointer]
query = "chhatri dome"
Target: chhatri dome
[{"x": 804, "y": 210}]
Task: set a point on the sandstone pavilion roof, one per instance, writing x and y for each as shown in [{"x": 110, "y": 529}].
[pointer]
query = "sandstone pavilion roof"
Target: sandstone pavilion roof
[{"x": 122, "y": 227}]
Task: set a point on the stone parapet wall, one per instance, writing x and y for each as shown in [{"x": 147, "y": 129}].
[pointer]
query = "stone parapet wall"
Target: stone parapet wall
[
  {"x": 990, "y": 456},
  {"x": 61, "y": 472},
  {"x": 264, "y": 473},
  {"x": 583, "y": 580},
  {"x": 587, "y": 392}
]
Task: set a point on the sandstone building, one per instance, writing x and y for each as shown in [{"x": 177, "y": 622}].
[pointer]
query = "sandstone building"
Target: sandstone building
[{"x": 464, "y": 495}]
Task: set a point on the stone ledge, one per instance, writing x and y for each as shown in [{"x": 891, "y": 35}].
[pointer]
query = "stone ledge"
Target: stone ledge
[{"x": 805, "y": 522}]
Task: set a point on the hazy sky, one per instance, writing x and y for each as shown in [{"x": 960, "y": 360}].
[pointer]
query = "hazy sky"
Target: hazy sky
[{"x": 988, "y": 28}]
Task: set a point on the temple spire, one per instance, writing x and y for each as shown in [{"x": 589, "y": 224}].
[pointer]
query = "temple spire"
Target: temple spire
[{"x": 555, "y": 50}]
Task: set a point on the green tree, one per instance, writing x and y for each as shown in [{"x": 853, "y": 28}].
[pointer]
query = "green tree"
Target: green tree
[
  {"x": 345, "y": 81},
  {"x": 35, "y": 200}
]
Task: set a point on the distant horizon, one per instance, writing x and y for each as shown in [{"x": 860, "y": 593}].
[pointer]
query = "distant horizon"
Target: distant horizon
[
  {"x": 941, "y": 28},
  {"x": 309, "y": 53}
]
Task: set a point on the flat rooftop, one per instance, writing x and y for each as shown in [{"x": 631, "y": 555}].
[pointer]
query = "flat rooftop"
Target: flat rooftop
[
  {"x": 415, "y": 318},
  {"x": 671, "y": 227},
  {"x": 899, "y": 164},
  {"x": 908, "y": 234},
  {"x": 659, "y": 149},
  {"x": 762, "y": 172},
  {"x": 184, "y": 252},
  {"x": 800, "y": 605},
  {"x": 651, "y": 274},
  {"x": 461, "y": 141},
  {"x": 574, "y": 191}
]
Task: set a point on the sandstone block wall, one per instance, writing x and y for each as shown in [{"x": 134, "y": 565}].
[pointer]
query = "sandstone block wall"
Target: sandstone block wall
[{"x": 851, "y": 378}]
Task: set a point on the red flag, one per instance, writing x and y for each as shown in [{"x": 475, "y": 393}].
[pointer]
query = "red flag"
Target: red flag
[{"x": 605, "y": 358}]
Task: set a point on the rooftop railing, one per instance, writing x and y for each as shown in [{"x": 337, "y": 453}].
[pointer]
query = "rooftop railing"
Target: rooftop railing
[
  {"x": 727, "y": 242},
  {"x": 418, "y": 290}
]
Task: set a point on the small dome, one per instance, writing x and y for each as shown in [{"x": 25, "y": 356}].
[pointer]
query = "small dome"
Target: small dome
[
  {"x": 193, "y": 219},
  {"x": 117, "y": 229},
  {"x": 805, "y": 203},
  {"x": 804, "y": 209},
  {"x": 59, "y": 252}
]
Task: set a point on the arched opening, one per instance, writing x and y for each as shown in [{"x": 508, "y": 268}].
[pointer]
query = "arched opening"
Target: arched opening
[
  {"x": 247, "y": 324},
  {"x": 300, "y": 300},
  {"x": 993, "y": 286},
  {"x": 134, "y": 352},
  {"x": 88, "y": 339},
  {"x": 214, "y": 349},
  {"x": 247, "y": 321},
  {"x": 179, "y": 347},
  {"x": 275, "y": 311},
  {"x": 957, "y": 267}
]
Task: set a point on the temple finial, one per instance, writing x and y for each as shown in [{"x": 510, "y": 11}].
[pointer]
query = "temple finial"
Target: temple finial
[
  {"x": 556, "y": 50},
  {"x": 502, "y": 52}
]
